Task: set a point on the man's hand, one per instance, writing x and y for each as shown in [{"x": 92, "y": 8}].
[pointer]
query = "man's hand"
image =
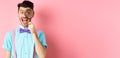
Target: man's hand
[{"x": 31, "y": 27}]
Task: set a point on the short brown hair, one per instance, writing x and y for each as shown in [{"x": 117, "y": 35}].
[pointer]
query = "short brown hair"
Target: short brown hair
[{"x": 26, "y": 4}]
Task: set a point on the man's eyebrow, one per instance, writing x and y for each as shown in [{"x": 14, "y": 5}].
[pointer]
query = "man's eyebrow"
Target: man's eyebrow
[
  {"x": 20, "y": 10},
  {"x": 29, "y": 10}
]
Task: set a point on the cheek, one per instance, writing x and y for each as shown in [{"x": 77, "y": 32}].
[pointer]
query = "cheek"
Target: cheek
[
  {"x": 19, "y": 15},
  {"x": 20, "y": 20}
]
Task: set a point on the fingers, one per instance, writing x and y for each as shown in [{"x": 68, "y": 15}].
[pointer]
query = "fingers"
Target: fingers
[
  {"x": 31, "y": 27},
  {"x": 30, "y": 23}
]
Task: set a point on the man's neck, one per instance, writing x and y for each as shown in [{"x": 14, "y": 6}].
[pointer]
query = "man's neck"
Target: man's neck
[{"x": 24, "y": 27}]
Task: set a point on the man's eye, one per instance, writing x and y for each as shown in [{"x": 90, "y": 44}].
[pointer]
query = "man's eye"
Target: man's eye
[{"x": 28, "y": 12}]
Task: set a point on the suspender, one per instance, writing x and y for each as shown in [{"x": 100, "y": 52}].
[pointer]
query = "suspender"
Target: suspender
[
  {"x": 13, "y": 43},
  {"x": 14, "y": 48}
]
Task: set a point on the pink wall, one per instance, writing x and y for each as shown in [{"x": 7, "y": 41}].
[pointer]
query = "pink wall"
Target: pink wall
[{"x": 73, "y": 28}]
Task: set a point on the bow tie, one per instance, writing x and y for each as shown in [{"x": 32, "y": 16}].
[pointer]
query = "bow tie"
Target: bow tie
[{"x": 24, "y": 30}]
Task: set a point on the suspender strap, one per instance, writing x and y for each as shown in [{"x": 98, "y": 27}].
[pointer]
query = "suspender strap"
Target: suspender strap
[
  {"x": 34, "y": 55},
  {"x": 14, "y": 48},
  {"x": 13, "y": 43}
]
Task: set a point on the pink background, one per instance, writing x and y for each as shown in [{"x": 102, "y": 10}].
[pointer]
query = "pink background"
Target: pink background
[{"x": 73, "y": 28}]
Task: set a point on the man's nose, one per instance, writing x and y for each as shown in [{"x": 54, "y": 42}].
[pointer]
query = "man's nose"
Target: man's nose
[{"x": 24, "y": 14}]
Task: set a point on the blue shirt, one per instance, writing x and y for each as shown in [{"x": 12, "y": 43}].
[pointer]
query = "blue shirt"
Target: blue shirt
[{"x": 24, "y": 43}]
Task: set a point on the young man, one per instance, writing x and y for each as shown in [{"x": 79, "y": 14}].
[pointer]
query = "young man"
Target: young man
[{"x": 27, "y": 43}]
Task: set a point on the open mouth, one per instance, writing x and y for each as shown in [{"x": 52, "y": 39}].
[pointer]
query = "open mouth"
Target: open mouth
[{"x": 25, "y": 20}]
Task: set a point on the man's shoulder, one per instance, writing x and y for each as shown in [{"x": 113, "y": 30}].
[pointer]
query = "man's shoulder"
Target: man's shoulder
[
  {"x": 40, "y": 32},
  {"x": 10, "y": 32}
]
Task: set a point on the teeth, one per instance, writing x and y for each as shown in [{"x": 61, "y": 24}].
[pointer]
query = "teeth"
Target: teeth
[{"x": 24, "y": 19}]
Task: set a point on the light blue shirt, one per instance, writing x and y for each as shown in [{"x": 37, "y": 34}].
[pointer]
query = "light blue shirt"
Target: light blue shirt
[{"x": 24, "y": 43}]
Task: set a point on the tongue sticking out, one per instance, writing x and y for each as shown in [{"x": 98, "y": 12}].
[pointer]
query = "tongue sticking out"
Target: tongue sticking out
[{"x": 25, "y": 21}]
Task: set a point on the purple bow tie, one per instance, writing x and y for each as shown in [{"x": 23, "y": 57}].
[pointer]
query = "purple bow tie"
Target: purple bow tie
[{"x": 24, "y": 30}]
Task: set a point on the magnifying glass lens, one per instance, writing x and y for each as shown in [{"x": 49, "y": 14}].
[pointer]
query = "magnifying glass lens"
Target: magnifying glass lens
[{"x": 29, "y": 14}]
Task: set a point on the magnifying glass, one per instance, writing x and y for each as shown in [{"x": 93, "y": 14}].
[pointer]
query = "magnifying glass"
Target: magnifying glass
[{"x": 29, "y": 14}]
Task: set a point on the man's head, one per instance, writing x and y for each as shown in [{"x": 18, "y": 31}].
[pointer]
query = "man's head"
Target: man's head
[{"x": 25, "y": 12}]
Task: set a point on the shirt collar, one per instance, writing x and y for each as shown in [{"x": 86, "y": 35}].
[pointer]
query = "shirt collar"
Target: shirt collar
[{"x": 20, "y": 26}]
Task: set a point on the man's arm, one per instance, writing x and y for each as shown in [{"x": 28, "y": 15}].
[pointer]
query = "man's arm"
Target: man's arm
[
  {"x": 39, "y": 48},
  {"x": 7, "y": 45},
  {"x": 8, "y": 54}
]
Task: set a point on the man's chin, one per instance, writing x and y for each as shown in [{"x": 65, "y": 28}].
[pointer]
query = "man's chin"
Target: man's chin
[{"x": 25, "y": 25}]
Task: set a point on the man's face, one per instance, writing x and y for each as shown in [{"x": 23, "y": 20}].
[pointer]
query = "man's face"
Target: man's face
[{"x": 25, "y": 15}]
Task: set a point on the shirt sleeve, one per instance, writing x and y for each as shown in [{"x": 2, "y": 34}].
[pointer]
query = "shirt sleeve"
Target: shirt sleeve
[
  {"x": 42, "y": 39},
  {"x": 7, "y": 45}
]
